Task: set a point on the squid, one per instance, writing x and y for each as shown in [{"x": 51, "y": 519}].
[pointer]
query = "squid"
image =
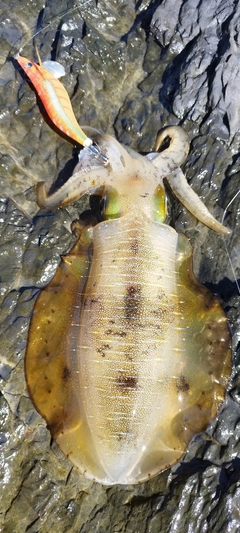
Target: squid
[{"x": 128, "y": 355}]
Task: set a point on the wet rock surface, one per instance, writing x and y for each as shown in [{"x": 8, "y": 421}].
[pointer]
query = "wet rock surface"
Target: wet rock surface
[{"x": 132, "y": 68}]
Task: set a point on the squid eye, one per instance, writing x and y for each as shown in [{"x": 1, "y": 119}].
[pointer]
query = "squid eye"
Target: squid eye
[{"x": 28, "y": 64}]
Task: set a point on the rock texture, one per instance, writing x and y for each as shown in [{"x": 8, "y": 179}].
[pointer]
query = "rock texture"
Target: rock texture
[{"x": 132, "y": 67}]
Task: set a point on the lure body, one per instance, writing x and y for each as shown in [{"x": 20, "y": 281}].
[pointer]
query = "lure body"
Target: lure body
[
  {"x": 128, "y": 355},
  {"x": 55, "y": 99}
]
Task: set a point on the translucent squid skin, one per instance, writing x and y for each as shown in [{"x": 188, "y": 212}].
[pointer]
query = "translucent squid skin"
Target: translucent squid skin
[{"x": 128, "y": 355}]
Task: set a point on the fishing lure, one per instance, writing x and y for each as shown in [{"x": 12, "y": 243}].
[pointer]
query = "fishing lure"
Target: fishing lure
[
  {"x": 55, "y": 99},
  {"x": 128, "y": 355}
]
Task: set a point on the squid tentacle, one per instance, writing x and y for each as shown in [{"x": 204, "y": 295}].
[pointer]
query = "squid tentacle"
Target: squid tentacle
[
  {"x": 192, "y": 202},
  {"x": 175, "y": 154}
]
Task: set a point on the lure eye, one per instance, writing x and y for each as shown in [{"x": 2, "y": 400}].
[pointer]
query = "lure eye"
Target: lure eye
[{"x": 28, "y": 64}]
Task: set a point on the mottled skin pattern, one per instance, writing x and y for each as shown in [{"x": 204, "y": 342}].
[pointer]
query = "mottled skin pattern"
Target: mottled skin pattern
[{"x": 128, "y": 355}]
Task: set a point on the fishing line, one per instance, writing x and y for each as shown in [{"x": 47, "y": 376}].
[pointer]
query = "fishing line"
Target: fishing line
[
  {"x": 54, "y": 19},
  {"x": 225, "y": 244}
]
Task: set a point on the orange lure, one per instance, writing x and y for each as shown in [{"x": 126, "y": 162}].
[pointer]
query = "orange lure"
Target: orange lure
[{"x": 56, "y": 102}]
